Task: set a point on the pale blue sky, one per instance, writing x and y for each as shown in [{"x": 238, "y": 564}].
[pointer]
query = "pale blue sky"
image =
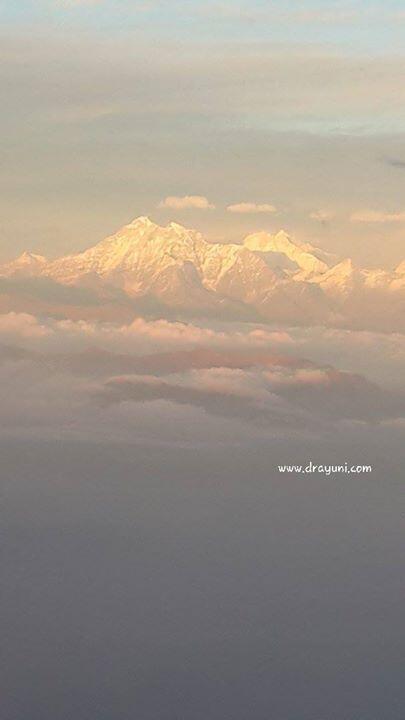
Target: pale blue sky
[{"x": 356, "y": 25}]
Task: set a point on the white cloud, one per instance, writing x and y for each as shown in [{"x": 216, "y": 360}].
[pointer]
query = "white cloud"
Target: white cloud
[
  {"x": 250, "y": 207},
  {"x": 377, "y": 216},
  {"x": 187, "y": 201}
]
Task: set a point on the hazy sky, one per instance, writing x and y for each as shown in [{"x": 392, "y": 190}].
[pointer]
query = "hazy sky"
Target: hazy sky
[
  {"x": 110, "y": 107},
  {"x": 198, "y": 584}
]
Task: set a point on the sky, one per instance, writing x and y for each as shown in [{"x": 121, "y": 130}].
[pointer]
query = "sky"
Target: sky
[
  {"x": 109, "y": 108},
  {"x": 176, "y": 588}
]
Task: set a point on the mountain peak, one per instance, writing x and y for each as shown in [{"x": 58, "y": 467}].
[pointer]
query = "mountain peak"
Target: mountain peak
[
  {"x": 142, "y": 220},
  {"x": 305, "y": 257},
  {"x": 284, "y": 235},
  {"x": 176, "y": 226},
  {"x": 27, "y": 264},
  {"x": 29, "y": 257},
  {"x": 344, "y": 268},
  {"x": 340, "y": 278},
  {"x": 269, "y": 276},
  {"x": 400, "y": 270}
]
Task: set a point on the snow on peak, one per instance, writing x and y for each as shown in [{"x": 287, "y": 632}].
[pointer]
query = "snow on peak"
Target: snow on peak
[
  {"x": 400, "y": 270},
  {"x": 343, "y": 269},
  {"x": 177, "y": 227},
  {"x": 26, "y": 264},
  {"x": 28, "y": 258},
  {"x": 142, "y": 220},
  {"x": 304, "y": 256},
  {"x": 271, "y": 275},
  {"x": 341, "y": 278}
]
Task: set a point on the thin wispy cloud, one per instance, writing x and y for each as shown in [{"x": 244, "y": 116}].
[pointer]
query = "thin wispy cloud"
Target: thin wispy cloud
[
  {"x": 377, "y": 216},
  {"x": 396, "y": 163},
  {"x": 79, "y": 3},
  {"x": 259, "y": 12},
  {"x": 330, "y": 16},
  {"x": 322, "y": 216},
  {"x": 251, "y": 207}
]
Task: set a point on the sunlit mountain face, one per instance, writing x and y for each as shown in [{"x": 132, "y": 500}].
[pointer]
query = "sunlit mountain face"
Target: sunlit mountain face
[{"x": 173, "y": 271}]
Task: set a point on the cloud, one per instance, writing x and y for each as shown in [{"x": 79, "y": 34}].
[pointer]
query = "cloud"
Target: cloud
[
  {"x": 377, "y": 216},
  {"x": 237, "y": 400},
  {"x": 322, "y": 216},
  {"x": 396, "y": 163},
  {"x": 250, "y": 207},
  {"x": 330, "y": 393},
  {"x": 68, "y": 3},
  {"x": 260, "y": 13},
  {"x": 263, "y": 395},
  {"x": 379, "y": 355},
  {"x": 100, "y": 362},
  {"x": 137, "y": 337},
  {"x": 288, "y": 88},
  {"x": 166, "y": 382},
  {"x": 330, "y": 16},
  {"x": 198, "y": 202},
  {"x": 157, "y": 108},
  {"x": 22, "y": 325}
]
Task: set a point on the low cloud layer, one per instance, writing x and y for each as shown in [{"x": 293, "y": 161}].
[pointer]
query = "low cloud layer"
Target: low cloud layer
[{"x": 101, "y": 380}]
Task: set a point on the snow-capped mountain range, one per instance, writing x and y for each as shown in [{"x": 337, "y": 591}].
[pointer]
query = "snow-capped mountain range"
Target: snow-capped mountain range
[{"x": 174, "y": 270}]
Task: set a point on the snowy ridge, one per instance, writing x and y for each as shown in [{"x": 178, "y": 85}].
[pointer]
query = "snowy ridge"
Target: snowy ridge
[{"x": 271, "y": 277}]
